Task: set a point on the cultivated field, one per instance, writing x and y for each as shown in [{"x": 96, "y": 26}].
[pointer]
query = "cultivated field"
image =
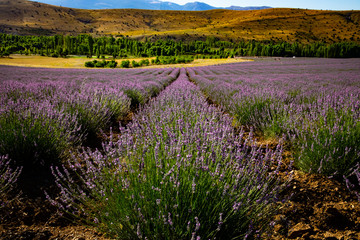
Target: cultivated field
[
  {"x": 79, "y": 62},
  {"x": 265, "y": 148}
]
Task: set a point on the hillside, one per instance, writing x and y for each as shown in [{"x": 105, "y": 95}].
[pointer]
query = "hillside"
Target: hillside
[{"x": 31, "y": 18}]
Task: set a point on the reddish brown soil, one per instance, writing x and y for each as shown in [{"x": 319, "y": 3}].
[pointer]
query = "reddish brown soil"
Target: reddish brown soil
[
  {"x": 27, "y": 218},
  {"x": 321, "y": 208}
]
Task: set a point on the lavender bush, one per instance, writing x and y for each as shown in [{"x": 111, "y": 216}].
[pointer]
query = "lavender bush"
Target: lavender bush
[
  {"x": 8, "y": 178},
  {"x": 33, "y": 132},
  {"x": 178, "y": 171},
  {"x": 353, "y": 181},
  {"x": 96, "y": 109},
  {"x": 328, "y": 140}
]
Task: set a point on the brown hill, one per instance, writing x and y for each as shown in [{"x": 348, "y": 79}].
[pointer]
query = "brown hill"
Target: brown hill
[{"x": 25, "y": 17}]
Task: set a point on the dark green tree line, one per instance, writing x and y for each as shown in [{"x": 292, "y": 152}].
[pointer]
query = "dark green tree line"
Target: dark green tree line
[{"x": 61, "y": 46}]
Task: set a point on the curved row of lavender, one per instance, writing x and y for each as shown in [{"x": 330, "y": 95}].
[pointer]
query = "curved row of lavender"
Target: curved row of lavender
[
  {"x": 314, "y": 102},
  {"x": 46, "y": 112},
  {"x": 178, "y": 171}
]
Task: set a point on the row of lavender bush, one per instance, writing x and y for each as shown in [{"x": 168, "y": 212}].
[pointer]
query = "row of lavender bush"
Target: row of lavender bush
[
  {"x": 314, "y": 102},
  {"x": 46, "y": 112},
  {"x": 178, "y": 171}
]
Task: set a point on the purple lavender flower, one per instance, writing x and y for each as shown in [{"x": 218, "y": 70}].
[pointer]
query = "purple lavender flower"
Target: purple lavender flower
[{"x": 8, "y": 178}]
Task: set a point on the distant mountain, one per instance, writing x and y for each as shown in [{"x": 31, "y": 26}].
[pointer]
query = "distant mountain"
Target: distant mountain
[
  {"x": 247, "y": 8},
  {"x": 139, "y": 4},
  {"x": 196, "y": 6}
]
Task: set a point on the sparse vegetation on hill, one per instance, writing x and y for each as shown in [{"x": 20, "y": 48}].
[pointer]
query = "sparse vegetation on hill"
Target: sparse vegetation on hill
[{"x": 23, "y": 17}]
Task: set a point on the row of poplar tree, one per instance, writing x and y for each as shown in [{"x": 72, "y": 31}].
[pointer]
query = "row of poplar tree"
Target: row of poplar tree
[{"x": 62, "y": 46}]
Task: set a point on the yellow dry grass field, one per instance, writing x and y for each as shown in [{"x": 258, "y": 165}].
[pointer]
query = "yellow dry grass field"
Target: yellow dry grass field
[
  {"x": 39, "y": 61},
  {"x": 202, "y": 62},
  {"x": 77, "y": 62}
]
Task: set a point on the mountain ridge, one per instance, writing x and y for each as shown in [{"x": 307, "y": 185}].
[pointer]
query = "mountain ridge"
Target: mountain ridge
[{"x": 141, "y": 4}]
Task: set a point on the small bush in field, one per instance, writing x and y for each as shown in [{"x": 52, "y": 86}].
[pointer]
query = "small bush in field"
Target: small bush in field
[
  {"x": 125, "y": 64},
  {"x": 89, "y": 64},
  {"x": 135, "y": 64},
  {"x": 144, "y": 62},
  {"x": 101, "y": 64},
  {"x": 111, "y": 64}
]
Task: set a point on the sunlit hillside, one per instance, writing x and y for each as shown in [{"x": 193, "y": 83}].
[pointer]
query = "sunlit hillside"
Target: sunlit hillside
[{"x": 24, "y": 17}]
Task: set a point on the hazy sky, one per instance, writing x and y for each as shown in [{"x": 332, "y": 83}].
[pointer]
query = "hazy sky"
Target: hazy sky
[{"x": 311, "y": 4}]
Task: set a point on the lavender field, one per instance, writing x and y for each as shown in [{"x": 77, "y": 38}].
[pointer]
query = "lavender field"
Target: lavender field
[
  {"x": 188, "y": 165},
  {"x": 47, "y": 112},
  {"x": 312, "y": 103}
]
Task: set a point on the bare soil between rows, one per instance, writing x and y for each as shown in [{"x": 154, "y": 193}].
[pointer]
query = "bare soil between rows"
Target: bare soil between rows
[{"x": 321, "y": 208}]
